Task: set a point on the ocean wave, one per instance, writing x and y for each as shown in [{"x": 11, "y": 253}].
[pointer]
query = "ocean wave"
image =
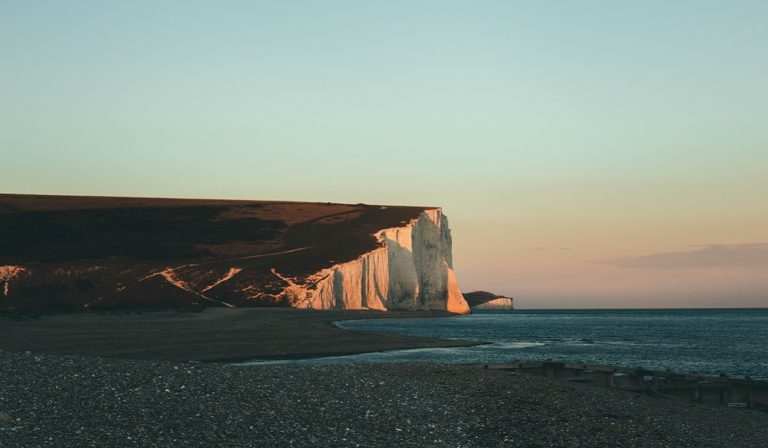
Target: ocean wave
[{"x": 512, "y": 345}]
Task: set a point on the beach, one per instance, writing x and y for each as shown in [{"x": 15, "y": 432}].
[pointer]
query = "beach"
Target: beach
[
  {"x": 209, "y": 335},
  {"x": 131, "y": 386}
]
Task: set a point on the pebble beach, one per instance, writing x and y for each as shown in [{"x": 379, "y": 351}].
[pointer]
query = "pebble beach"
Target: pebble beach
[
  {"x": 77, "y": 401},
  {"x": 77, "y": 381}
]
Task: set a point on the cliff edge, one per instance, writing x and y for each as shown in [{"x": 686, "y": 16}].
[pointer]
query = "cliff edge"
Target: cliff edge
[
  {"x": 484, "y": 300},
  {"x": 63, "y": 253}
]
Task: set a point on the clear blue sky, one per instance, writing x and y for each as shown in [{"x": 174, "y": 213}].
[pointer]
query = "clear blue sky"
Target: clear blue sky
[{"x": 559, "y": 136}]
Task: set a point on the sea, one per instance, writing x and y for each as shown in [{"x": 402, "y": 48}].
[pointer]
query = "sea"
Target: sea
[{"x": 706, "y": 341}]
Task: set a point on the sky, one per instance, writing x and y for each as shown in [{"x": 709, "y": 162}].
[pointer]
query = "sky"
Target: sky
[{"x": 587, "y": 154}]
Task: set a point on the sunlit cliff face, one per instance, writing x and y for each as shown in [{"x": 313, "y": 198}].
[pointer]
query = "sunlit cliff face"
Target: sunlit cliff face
[{"x": 412, "y": 270}]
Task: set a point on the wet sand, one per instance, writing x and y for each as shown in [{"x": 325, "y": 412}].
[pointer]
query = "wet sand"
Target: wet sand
[{"x": 215, "y": 334}]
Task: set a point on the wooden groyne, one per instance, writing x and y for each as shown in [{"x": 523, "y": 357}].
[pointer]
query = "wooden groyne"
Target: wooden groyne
[{"x": 722, "y": 390}]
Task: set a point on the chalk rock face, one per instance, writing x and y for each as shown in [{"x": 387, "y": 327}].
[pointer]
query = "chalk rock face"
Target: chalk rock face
[
  {"x": 483, "y": 300},
  {"x": 412, "y": 270},
  {"x": 501, "y": 303}
]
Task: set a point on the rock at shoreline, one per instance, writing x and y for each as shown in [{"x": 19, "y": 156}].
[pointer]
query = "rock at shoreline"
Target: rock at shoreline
[{"x": 483, "y": 300}]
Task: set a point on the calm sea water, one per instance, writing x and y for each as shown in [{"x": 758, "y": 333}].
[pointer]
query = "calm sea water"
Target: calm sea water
[{"x": 712, "y": 341}]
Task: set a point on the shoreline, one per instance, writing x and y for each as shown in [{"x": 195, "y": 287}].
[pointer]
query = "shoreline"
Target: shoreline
[{"x": 246, "y": 334}]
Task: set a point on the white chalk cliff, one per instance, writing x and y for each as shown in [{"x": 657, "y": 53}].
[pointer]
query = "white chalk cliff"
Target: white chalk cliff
[
  {"x": 499, "y": 303},
  {"x": 412, "y": 269}
]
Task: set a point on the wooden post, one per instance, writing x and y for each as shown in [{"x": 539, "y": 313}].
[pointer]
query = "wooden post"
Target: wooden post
[{"x": 724, "y": 394}]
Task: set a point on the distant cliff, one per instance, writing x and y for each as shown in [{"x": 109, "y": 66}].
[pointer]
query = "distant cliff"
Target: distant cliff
[
  {"x": 483, "y": 300},
  {"x": 70, "y": 253}
]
